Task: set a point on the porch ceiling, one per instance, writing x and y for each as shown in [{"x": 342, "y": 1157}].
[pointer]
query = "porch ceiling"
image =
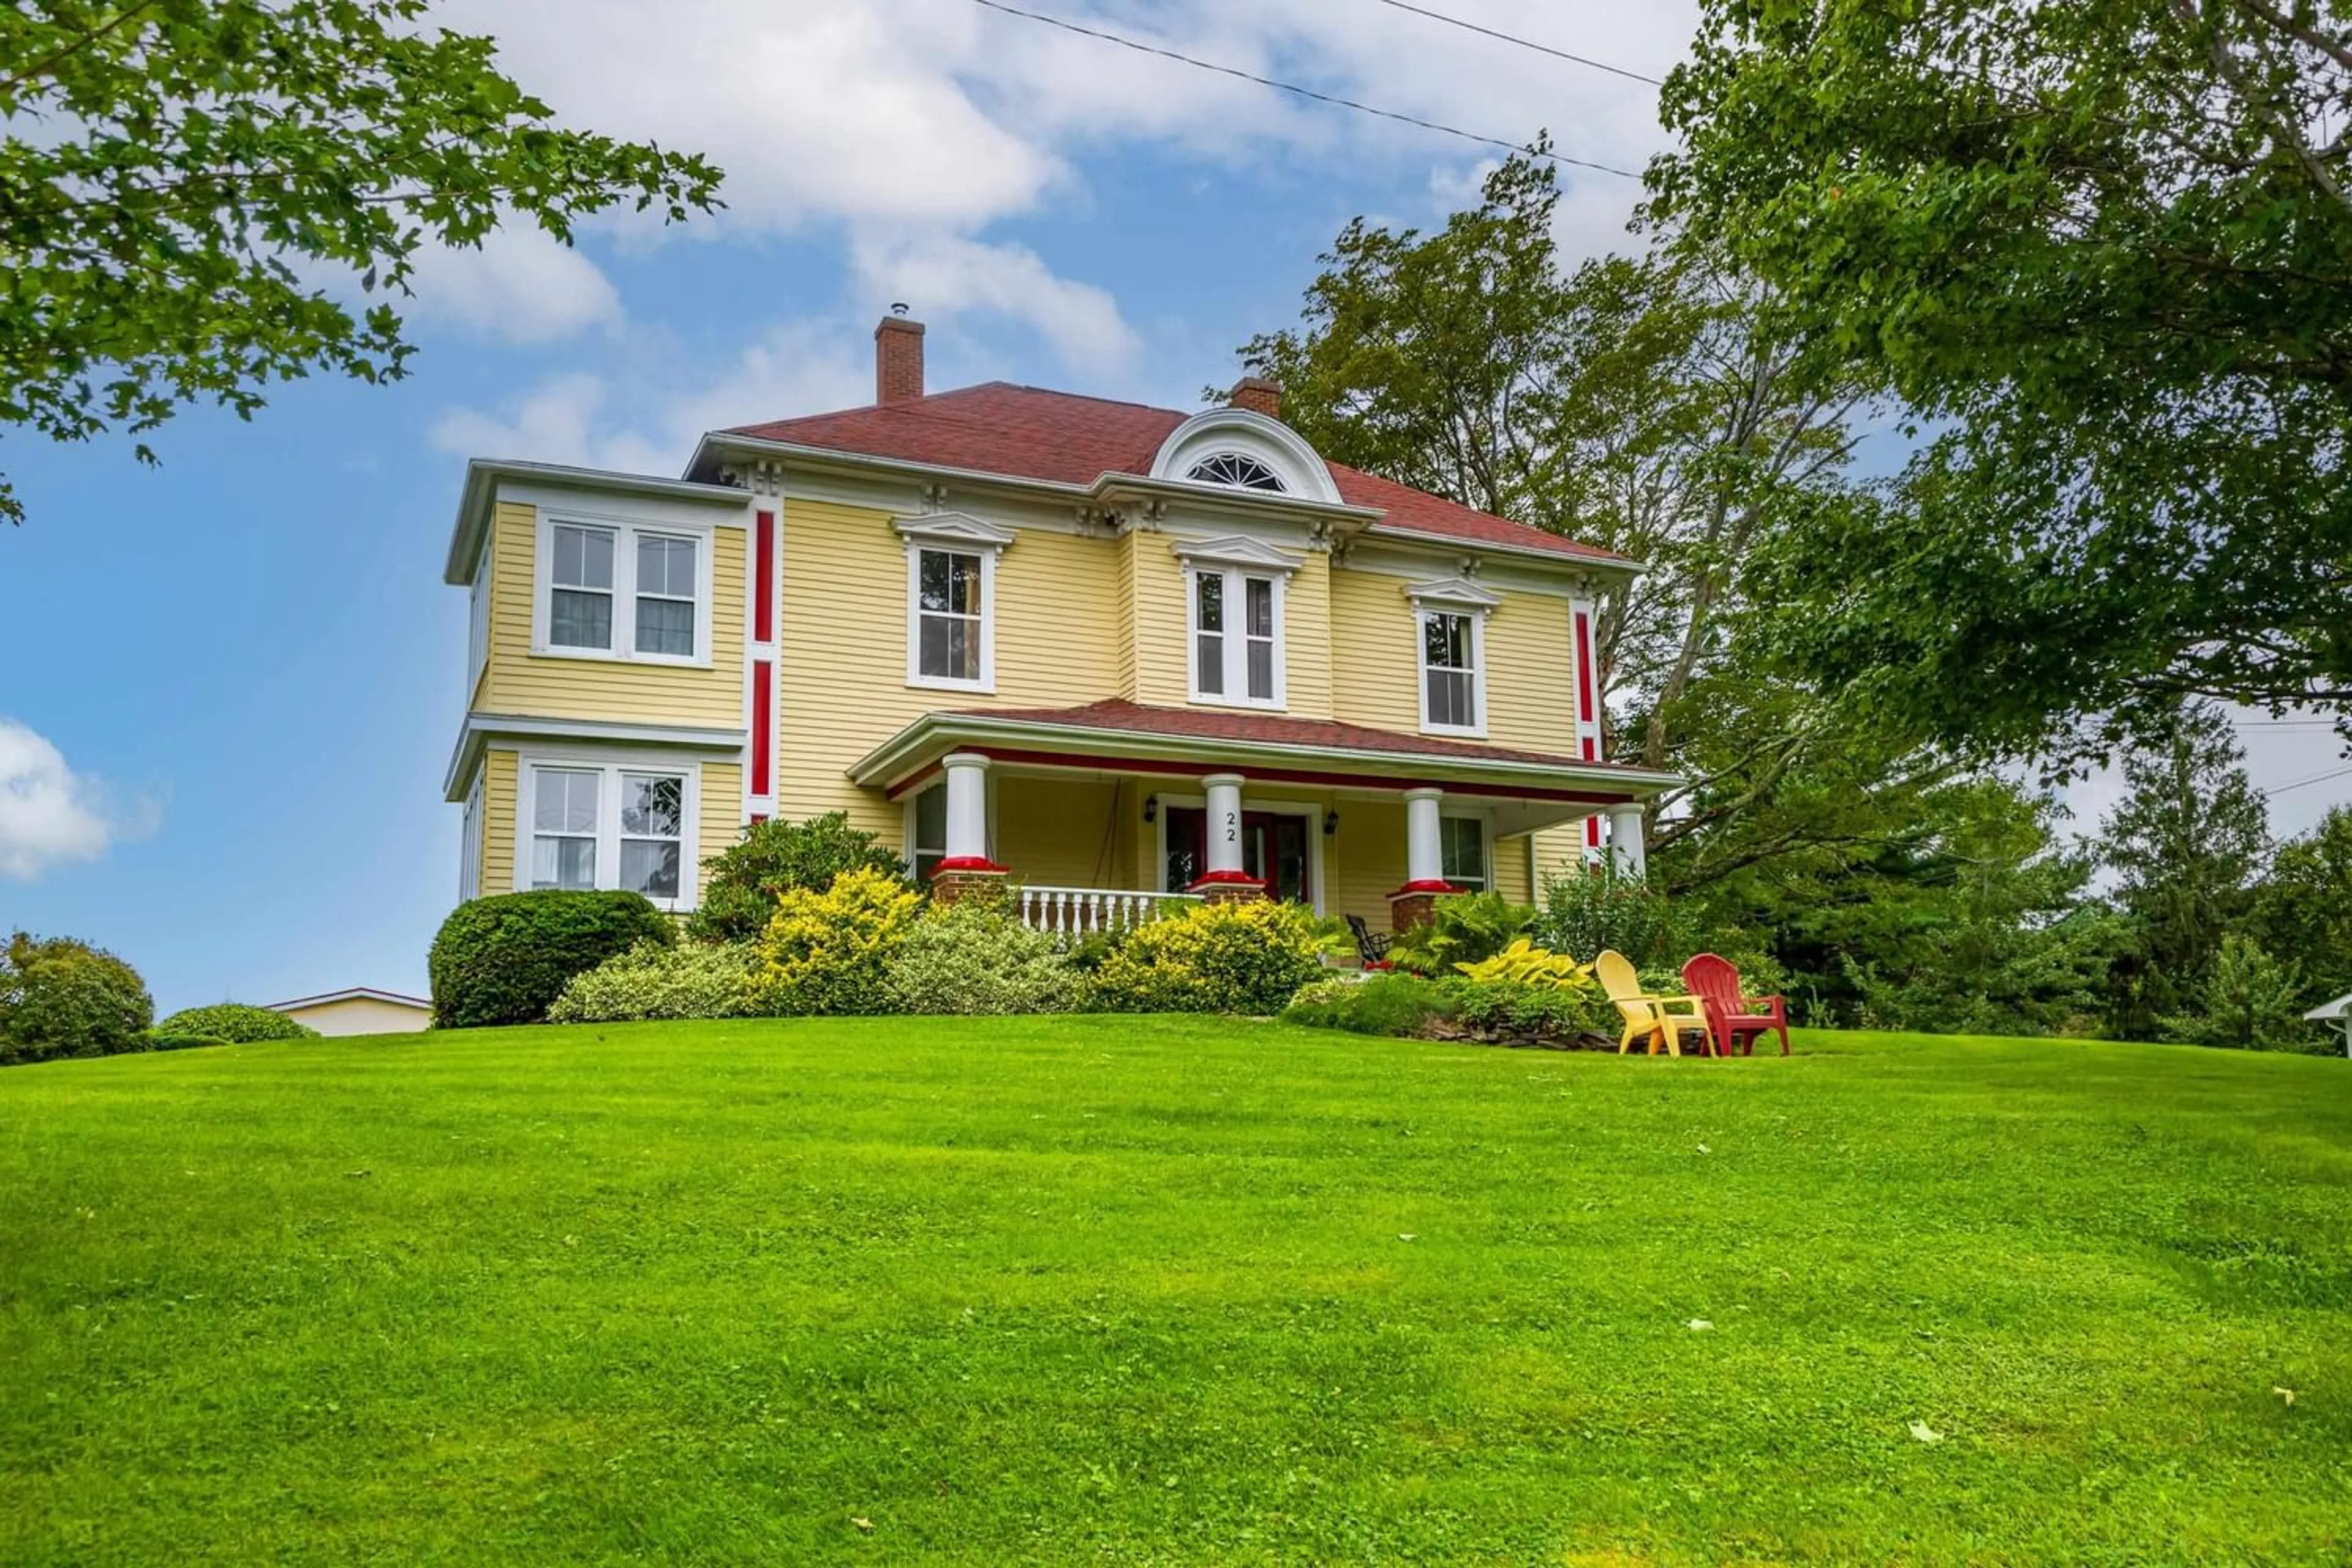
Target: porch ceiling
[{"x": 1132, "y": 737}]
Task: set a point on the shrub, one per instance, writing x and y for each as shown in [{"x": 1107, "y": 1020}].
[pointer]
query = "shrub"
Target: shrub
[
  {"x": 1400, "y": 1004},
  {"x": 777, "y": 858},
  {"x": 686, "y": 980},
  {"x": 60, "y": 997},
  {"x": 161, "y": 1040},
  {"x": 1215, "y": 958},
  {"x": 2249, "y": 1002},
  {"x": 830, "y": 952},
  {"x": 1538, "y": 1014},
  {"x": 236, "y": 1022},
  {"x": 1601, "y": 907},
  {"x": 1524, "y": 963},
  {"x": 970, "y": 957},
  {"x": 1462, "y": 929},
  {"x": 506, "y": 959}
]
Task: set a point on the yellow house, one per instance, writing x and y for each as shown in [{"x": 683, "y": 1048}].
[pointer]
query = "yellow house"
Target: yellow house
[{"x": 1116, "y": 655}]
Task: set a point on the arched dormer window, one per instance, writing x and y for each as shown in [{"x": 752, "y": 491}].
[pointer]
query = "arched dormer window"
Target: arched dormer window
[
  {"x": 1238, "y": 469},
  {"x": 1245, "y": 451}
]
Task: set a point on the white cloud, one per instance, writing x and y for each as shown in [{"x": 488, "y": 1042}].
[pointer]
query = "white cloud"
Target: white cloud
[
  {"x": 524, "y": 286},
  {"x": 952, "y": 276},
  {"x": 49, "y": 815},
  {"x": 647, "y": 417}
]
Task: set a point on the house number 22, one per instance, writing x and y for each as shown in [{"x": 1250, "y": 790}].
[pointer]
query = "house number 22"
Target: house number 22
[{"x": 1232, "y": 835}]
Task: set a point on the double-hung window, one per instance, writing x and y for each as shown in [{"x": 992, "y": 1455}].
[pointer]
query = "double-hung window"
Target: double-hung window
[
  {"x": 1236, "y": 636},
  {"x": 617, "y": 590},
  {"x": 667, "y": 588},
  {"x": 951, "y": 599},
  {"x": 608, "y": 827},
  {"x": 928, "y": 837},
  {"x": 580, "y": 604},
  {"x": 947, "y": 615},
  {"x": 1450, "y": 694},
  {"x": 563, "y": 814},
  {"x": 1461, "y": 852}
]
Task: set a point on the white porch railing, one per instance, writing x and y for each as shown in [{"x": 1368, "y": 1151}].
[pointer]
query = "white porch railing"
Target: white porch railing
[{"x": 1083, "y": 911}]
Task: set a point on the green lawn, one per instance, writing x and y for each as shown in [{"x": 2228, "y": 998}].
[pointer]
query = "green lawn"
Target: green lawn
[{"x": 1161, "y": 1290}]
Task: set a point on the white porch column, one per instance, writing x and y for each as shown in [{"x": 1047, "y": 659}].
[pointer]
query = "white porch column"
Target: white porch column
[
  {"x": 1424, "y": 861},
  {"x": 967, "y": 786},
  {"x": 1224, "y": 793},
  {"x": 1625, "y": 850}
]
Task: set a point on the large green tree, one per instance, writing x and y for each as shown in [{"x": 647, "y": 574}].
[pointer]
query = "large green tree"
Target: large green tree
[
  {"x": 1635, "y": 403},
  {"x": 177, "y": 174},
  {"x": 2187, "y": 846},
  {"x": 2303, "y": 910},
  {"x": 2104, "y": 250}
]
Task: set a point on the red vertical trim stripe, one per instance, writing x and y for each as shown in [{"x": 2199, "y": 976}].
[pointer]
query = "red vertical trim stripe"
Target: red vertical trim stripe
[
  {"x": 763, "y": 587},
  {"x": 764, "y": 751},
  {"x": 1583, "y": 668}
]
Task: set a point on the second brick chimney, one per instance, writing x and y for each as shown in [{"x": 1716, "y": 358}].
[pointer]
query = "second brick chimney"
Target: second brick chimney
[
  {"x": 897, "y": 360},
  {"x": 1257, "y": 395}
]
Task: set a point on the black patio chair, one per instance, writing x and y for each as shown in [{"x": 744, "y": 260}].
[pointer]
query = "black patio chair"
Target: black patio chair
[{"x": 1370, "y": 948}]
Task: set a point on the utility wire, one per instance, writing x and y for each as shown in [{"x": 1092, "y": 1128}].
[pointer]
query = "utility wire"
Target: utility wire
[
  {"x": 1524, "y": 43},
  {"x": 1143, "y": 49},
  {"x": 2317, "y": 778}
]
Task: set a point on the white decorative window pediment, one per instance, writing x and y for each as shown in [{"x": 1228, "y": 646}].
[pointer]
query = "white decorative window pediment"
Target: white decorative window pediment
[
  {"x": 1236, "y": 549},
  {"x": 953, "y": 529},
  {"x": 1452, "y": 593}
]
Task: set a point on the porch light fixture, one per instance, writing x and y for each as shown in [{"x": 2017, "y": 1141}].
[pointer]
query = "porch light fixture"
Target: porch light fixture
[
  {"x": 1330, "y": 824},
  {"x": 1150, "y": 808}
]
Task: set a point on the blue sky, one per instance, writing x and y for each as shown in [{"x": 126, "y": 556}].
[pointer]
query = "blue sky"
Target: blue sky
[{"x": 245, "y": 661}]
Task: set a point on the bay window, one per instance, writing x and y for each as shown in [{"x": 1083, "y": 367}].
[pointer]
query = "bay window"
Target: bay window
[
  {"x": 617, "y": 590},
  {"x": 609, "y": 825}
]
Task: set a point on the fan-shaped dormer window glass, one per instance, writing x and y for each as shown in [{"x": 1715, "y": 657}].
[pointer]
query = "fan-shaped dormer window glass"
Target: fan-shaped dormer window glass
[{"x": 1238, "y": 469}]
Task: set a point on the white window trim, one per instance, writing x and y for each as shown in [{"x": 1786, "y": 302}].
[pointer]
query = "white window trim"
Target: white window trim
[
  {"x": 1476, "y": 728},
  {"x": 478, "y": 621},
  {"x": 1485, "y": 821},
  {"x": 960, "y": 534},
  {"x": 1236, "y": 641},
  {"x": 610, "y": 766},
  {"x": 469, "y": 842},
  {"x": 1314, "y": 814},
  {"x": 625, "y": 530}
]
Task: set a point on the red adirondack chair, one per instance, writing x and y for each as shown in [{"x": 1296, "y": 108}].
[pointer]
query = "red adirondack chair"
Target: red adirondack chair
[{"x": 1736, "y": 1019}]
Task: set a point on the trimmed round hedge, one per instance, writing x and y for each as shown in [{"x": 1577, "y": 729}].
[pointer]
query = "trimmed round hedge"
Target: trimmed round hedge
[
  {"x": 235, "y": 1022},
  {"x": 506, "y": 959}
]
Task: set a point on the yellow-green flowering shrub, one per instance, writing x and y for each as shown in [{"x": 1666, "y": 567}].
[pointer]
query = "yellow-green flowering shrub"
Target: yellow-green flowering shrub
[
  {"x": 830, "y": 952},
  {"x": 1215, "y": 958}
]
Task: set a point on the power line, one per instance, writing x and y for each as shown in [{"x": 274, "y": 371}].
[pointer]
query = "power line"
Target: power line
[
  {"x": 2317, "y": 778},
  {"x": 1143, "y": 49},
  {"x": 1524, "y": 43}
]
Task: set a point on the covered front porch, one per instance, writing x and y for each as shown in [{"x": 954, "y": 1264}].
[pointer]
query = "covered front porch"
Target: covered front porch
[{"x": 1114, "y": 812}]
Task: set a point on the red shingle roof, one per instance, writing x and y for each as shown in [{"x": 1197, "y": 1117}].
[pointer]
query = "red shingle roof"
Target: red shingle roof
[
  {"x": 1269, "y": 729},
  {"x": 1029, "y": 433}
]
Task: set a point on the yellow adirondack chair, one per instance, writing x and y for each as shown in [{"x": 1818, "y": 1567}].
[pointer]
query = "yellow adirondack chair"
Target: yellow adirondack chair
[{"x": 1648, "y": 1016}]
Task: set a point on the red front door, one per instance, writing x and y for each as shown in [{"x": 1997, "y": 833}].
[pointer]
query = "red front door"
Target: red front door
[{"x": 1274, "y": 848}]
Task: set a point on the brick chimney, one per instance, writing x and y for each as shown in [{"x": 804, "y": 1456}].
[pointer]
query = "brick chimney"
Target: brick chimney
[
  {"x": 897, "y": 358},
  {"x": 1257, "y": 395}
]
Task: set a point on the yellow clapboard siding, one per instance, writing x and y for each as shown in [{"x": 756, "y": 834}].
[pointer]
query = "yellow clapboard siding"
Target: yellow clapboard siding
[
  {"x": 1363, "y": 863},
  {"x": 1155, "y": 593},
  {"x": 1510, "y": 869},
  {"x": 520, "y": 682},
  {"x": 1377, "y": 663},
  {"x": 722, "y": 822},
  {"x": 1306, "y": 638},
  {"x": 1555, "y": 851},
  {"x": 498, "y": 822},
  {"x": 1063, "y": 833},
  {"x": 843, "y": 687},
  {"x": 1530, "y": 675}
]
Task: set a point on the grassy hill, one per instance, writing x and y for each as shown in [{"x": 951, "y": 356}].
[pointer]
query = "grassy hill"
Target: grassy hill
[{"x": 1158, "y": 1291}]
